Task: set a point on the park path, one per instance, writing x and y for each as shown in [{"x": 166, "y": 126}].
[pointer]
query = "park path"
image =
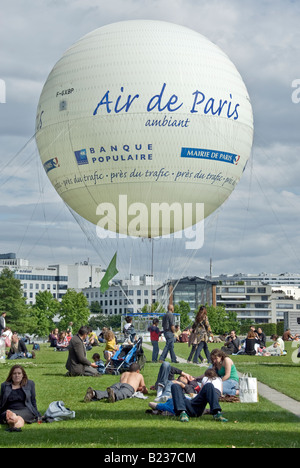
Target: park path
[{"x": 269, "y": 393}]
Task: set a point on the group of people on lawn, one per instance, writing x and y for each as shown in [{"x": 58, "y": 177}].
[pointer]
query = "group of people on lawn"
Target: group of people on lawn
[
  {"x": 18, "y": 400},
  {"x": 186, "y": 396}
]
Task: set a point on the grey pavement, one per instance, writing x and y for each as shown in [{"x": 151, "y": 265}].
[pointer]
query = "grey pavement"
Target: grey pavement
[{"x": 269, "y": 393}]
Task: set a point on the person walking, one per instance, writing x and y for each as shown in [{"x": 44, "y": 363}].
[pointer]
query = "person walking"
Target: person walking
[
  {"x": 154, "y": 337},
  {"x": 168, "y": 324},
  {"x": 199, "y": 337}
]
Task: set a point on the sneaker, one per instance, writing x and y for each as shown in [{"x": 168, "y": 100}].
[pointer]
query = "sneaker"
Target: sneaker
[
  {"x": 89, "y": 395},
  {"x": 152, "y": 405},
  {"x": 111, "y": 395},
  {"x": 184, "y": 417},
  {"x": 219, "y": 417}
]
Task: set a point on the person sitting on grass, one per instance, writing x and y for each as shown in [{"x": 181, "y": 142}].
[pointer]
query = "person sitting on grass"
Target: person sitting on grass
[
  {"x": 276, "y": 349},
  {"x": 77, "y": 363},
  {"x": 62, "y": 342},
  {"x": 18, "y": 349},
  {"x": 252, "y": 344},
  {"x": 99, "y": 363},
  {"x": 226, "y": 369},
  {"x": 130, "y": 383},
  {"x": 17, "y": 400}
]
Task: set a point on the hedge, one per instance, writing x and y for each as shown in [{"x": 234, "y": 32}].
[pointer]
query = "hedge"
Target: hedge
[{"x": 268, "y": 328}]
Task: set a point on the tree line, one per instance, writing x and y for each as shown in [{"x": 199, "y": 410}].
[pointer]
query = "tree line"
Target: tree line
[{"x": 38, "y": 319}]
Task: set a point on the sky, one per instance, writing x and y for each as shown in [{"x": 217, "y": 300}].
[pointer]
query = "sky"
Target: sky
[{"x": 255, "y": 230}]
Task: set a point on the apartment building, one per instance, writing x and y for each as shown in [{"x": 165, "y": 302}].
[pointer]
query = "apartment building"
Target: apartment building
[{"x": 263, "y": 298}]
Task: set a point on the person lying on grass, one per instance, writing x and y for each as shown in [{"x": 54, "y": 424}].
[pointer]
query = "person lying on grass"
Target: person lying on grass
[
  {"x": 185, "y": 407},
  {"x": 166, "y": 378},
  {"x": 130, "y": 383}
]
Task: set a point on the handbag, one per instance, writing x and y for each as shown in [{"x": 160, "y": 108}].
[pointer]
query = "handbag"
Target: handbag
[{"x": 248, "y": 389}]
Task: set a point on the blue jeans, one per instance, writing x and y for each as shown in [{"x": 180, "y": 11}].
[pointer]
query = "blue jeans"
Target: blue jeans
[
  {"x": 20, "y": 356},
  {"x": 201, "y": 345},
  {"x": 196, "y": 406},
  {"x": 230, "y": 387},
  {"x": 163, "y": 378},
  {"x": 169, "y": 347},
  {"x": 155, "y": 351}
]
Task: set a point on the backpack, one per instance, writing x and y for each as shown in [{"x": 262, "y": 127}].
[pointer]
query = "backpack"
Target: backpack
[{"x": 58, "y": 412}]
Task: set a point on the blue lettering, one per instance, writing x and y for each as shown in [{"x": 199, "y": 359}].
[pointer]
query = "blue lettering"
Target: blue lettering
[
  {"x": 104, "y": 102},
  {"x": 196, "y": 102},
  {"x": 128, "y": 103},
  {"x": 210, "y": 106},
  {"x": 156, "y": 101}
]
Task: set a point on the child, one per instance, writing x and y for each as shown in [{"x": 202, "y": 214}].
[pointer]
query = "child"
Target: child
[
  {"x": 129, "y": 331},
  {"x": 100, "y": 364},
  {"x": 111, "y": 345},
  {"x": 154, "y": 337},
  {"x": 210, "y": 376}
]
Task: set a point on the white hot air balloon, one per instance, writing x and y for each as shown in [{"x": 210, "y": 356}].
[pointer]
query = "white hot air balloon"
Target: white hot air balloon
[{"x": 142, "y": 123}]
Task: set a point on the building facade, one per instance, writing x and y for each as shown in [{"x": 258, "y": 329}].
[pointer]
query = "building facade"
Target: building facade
[
  {"x": 193, "y": 290},
  {"x": 56, "y": 279},
  {"x": 261, "y": 298},
  {"x": 124, "y": 296}
]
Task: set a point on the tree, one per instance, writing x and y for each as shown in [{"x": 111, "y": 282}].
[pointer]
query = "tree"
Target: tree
[
  {"x": 74, "y": 308},
  {"x": 220, "y": 321},
  {"x": 108, "y": 321},
  {"x": 95, "y": 308},
  {"x": 13, "y": 303},
  {"x": 183, "y": 308},
  {"x": 154, "y": 308},
  {"x": 43, "y": 313}
]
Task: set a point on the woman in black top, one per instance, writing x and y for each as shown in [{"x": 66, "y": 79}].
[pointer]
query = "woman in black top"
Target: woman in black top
[
  {"x": 251, "y": 343},
  {"x": 18, "y": 400}
]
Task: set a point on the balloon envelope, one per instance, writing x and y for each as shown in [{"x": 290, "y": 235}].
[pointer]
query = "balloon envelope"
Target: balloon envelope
[{"x": 144, "y": 127}]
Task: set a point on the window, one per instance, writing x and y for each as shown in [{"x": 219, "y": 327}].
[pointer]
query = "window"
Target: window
[{"x": 284, "y": 306}]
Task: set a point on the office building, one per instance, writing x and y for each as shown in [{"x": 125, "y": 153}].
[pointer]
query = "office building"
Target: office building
[
  {"x": 124, "y": 296},
  {"x": 56, "y": 279}
]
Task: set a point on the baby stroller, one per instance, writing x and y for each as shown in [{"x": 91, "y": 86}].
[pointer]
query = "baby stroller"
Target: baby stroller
[{"x": 125, "y": 356}]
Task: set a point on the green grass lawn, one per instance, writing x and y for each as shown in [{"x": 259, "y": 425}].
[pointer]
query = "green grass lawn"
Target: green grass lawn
[{"x": 126, "y": 425}]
